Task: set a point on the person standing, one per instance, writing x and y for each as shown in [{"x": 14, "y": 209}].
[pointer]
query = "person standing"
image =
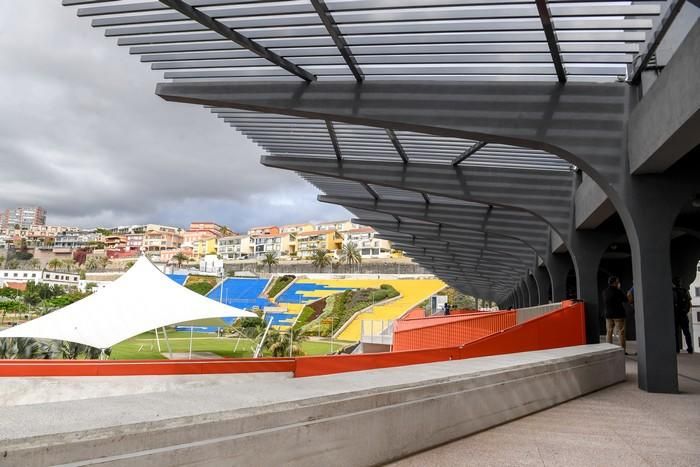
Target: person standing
[
  {"x": 681, "y": 307},
  {"x": 613, "y": 300}
]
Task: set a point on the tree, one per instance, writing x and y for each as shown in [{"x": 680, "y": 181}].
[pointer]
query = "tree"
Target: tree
[
  {"x": 55, "y": 264},
  {"x": 2, "y": 260},
  {"x": 128, "y": 265},
  {"x": 103, "y": 262},
  {"x": 34, "y": 263},
  {"x": 350, "y": 255},
  {"x": 68, "y": 263},
  {"x": 73, "y": 351},
  {"x": 91, "y": 264},
  {"x": 180, "y": 258},
  {"x": 270, "y": 260},
  {"x": 279, "y": 343},
  {"x": 12, "y": 264},
  {"x": 23, "y": 348},
  {"x": 320, "y": 259}
]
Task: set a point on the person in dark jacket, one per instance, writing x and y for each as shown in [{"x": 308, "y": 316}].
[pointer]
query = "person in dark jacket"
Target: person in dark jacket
[
  {"x": 613, "y": 302},
  {"x": 681, "y": 307}
]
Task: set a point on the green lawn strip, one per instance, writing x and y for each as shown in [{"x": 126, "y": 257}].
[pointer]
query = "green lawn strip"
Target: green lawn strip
[
  {"x": 280, "y": 283},
  {"x": 179, "y": 342}
]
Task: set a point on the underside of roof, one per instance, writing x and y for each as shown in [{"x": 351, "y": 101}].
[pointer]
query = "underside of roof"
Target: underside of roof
[{"x": 479, "y": 244}]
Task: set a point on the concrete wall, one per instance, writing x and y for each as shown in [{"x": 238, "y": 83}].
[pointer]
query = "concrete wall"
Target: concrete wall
[{"x": 399, "y": 411}]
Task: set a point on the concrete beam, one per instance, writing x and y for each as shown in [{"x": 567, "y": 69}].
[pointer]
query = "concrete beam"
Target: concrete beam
[{"x": 665, "y": 125}]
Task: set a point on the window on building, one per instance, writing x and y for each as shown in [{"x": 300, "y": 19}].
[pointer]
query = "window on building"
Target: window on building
[{"x": 697, "y": 291}]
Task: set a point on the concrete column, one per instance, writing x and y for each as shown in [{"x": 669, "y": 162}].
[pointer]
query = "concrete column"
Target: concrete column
[
  {"x": 651, "y": 264},
  {"x": 525, "y": 292},
  {"x": 519, "y": 301},
  {"x": 532, "y": 290},
  {"x": 543, "y": 284},
  {"x": 587, "y": 249},
  {"x": 558, "y": 266}
]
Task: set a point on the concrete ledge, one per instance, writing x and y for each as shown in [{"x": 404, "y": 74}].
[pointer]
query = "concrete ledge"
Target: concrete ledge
[{"x": 363, "y": 418}]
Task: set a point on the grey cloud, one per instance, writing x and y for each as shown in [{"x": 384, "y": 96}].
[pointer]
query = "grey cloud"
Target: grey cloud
[{"x": 82, "y": 134}]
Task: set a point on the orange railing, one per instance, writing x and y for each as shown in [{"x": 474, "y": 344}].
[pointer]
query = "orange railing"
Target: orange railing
[{"x": 448, "y": 331}]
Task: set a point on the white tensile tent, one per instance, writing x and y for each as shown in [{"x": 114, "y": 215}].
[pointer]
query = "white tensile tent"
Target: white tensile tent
[{"x": 142, "y": 299}]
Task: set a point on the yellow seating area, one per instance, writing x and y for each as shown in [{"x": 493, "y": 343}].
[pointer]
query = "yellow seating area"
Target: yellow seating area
[{"x": 413, "y": 292}]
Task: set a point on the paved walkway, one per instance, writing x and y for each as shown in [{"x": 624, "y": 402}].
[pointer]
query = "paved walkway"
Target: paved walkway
[{"x": 617, "y": 426}]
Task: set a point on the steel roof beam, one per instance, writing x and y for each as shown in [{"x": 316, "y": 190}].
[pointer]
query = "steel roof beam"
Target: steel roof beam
[
  {"x": 218, "y": 27},
  {"x": 333, "y": 30},
  {"x": 334, "y": 139},
  {"x": 544, "y": 194},
  {"x": 397, "y": 144},
  {"x": 472, "y": 150},
  {"x": 546, "y": 18},
  {"x": 528, "y": 230}
]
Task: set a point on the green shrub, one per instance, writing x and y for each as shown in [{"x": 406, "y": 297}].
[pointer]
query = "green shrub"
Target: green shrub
[
  {"x": 201, "y": 288},
  {"x": 280, "y": 283},
  {"x": 305, "y": 316}
]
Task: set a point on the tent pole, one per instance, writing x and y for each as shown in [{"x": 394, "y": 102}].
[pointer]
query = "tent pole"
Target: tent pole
[
  {"x": 157, "y": 339},
  {"x": 262, "y": 341},
  {"x": 167, "y": 342}
]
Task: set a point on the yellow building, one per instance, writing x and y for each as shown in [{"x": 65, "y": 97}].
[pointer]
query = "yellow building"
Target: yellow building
[
  {"x": 308, "y": 242},
  {"x": 204, "y": 247}
]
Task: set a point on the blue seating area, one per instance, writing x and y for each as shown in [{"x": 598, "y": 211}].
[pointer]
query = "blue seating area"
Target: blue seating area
[
  {"x": 294, "y": 293},
  {"x": 280, "y": 319},
  {"x": 179, "y": 278},
  {"x": 241, "y": 293}
]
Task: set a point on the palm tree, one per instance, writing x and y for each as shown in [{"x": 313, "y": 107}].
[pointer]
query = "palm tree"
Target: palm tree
[
  {"x": 68, "y": 263},
  {"x": 55, "y": 264},
  {"x": 23, "y": 348},
  {"x": 12, "y": 264},
  {"x": 2, "y": 260},
  {"x": 180, "y": 258},
  {"x": 279, "y": 343},
  {"x": 34, "y": 263},
  {"x": 128, "y": 265},
  {"x": 103, "y": 262},
  {"x": 270, "y": 260},
  {"x": 92, "y": 263},
  {"x": 350, "y": 255},
  {"x": 320, "y": 259}
]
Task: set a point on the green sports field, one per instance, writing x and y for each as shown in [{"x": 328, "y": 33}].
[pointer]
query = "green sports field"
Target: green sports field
[{"x": 144, "y": 346}]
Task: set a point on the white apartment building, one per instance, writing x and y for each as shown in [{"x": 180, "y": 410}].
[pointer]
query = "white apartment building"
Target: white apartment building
[
  {"x": 72, "y": 240},
  {"x": 233, "y": 247},
  {"x": 46, "y": 277},
  {"x": 340, "y": 226},
  {"x": 365, "y": 240},
  {"x": 264, "y": 244}
]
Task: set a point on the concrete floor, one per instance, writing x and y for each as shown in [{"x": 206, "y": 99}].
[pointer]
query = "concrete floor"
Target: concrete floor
[{"x": 617, "y": 426}]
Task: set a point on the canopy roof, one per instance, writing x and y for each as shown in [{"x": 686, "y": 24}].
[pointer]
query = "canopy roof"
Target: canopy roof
[{"x": 142, "y": 299}]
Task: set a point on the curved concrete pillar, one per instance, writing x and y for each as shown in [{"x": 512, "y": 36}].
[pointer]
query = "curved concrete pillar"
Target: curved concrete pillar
[
  {"x": 526, "y": 293},
  {"x": 543, "y": 284},
  {"x": 558, "y": 266},
  {"x": 587, "y": 248},
  {"x": 532, "y": 290}
]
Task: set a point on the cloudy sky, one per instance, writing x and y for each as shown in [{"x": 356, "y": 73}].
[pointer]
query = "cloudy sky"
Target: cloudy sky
[{"x": 82, "y": 134}]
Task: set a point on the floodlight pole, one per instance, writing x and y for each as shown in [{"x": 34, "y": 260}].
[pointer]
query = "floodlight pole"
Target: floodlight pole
[{"x": 191, "y": 335}]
